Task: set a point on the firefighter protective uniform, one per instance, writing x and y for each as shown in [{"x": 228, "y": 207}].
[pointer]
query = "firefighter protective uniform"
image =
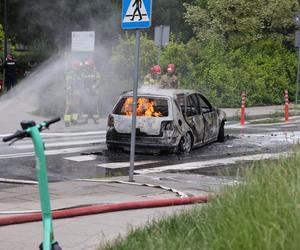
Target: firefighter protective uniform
[
  {"x": 153, "y": 78},
  {"x": 10, "y": 72},
  {"x": 169, "y": 80},
  {"x": 90, "y": 93},
  {"x": 72, "y": 94}
]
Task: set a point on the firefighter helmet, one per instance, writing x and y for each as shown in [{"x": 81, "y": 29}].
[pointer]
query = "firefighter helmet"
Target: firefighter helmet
[
  {"x": 156, "y": 69},
  {"x": 76, "y": 64},
  {"x": 171, "y": 68},
  {"x": 89, "y": 62}
]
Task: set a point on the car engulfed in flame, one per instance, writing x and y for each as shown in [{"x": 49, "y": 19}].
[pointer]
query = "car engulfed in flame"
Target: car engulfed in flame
[
  {"x": 145, "y": 107},
  {"x": 167, "y": 120}
]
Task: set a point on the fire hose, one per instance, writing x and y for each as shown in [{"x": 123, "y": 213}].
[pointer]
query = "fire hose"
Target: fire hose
[{"x": 96, "y": 209}]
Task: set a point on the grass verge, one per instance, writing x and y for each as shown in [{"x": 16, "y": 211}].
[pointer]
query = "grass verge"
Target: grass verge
[{"x": 261, "y": 213}]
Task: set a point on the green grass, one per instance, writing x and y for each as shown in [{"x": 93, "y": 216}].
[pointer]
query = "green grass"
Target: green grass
[{"x": 262, "y": 213}]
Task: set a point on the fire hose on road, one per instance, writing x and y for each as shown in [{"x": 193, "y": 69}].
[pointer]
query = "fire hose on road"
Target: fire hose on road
[{"x": 96, "y": 209}]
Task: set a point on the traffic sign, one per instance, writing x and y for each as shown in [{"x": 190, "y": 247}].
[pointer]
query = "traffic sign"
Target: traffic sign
[
  {"x": 136, "y": 14},
  {"x": 161, "y": 35},
  {"x": 83, "y": 41}
]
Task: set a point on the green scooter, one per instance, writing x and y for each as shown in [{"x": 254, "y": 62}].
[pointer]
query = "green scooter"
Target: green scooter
[{"x": 30, "y": 129}]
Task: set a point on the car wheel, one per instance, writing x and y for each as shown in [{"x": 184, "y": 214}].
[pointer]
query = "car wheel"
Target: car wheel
[
  {"x": 185, "y": 144},
  {"x": 111, "y": 148},
  {"x": 221, "y": 135}
]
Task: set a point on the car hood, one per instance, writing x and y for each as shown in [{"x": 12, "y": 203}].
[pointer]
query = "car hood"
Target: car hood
[{"x": 147, "y": 125}]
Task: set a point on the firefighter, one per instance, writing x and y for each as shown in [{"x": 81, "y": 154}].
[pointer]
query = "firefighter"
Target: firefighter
[
  {"x": 10, "y": 71},
  {"x": 72, "y": 90},
  {"x": 169, "y": 80},
  {"x": 90, "y": 93},
  {"x": 154, "y": 76}
]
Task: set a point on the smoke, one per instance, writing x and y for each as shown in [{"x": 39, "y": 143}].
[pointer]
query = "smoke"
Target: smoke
[
  {"x": 54, "y": 20},
  {"x": 43, "y": 91}
]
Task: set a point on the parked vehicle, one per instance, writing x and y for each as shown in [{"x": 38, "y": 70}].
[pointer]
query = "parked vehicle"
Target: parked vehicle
[{"x": 172, "y": 120}]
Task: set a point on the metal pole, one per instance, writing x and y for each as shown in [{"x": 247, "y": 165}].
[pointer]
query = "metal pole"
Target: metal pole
[
  {"x": 134, "y": 104},
  {"x": 158, "y": 55},
  {"x": 297, "y": 81},
  {"x": 160, "y": 43},
  {"x": 5, "y": 43},
  {"x": 5, "y": 29}
]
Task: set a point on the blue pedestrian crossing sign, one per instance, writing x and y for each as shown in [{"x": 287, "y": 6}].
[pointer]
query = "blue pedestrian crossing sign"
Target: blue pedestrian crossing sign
[{"x": 136, "y": 14}]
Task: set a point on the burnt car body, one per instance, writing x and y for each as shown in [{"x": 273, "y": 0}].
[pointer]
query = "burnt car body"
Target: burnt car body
[{"x": 172, "y": 120}]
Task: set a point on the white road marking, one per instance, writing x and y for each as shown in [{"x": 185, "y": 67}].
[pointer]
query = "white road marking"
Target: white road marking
[
  {"x": 51, "y": 152},
  {"x": 6, "y": 180},
  {"x": 116, "y": 165},
  {"x": 69, "y": 134},
  {"x": 81, "y": 158},
  {"x": 210, "y": 163},
  {"x": 60, "y": 144}
]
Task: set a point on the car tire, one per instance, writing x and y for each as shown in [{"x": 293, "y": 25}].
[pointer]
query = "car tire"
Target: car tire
[
  {"x": 185, "y": 144},
  {"x": 111, "y": 148},
  {"x": 221, "y": 135}
]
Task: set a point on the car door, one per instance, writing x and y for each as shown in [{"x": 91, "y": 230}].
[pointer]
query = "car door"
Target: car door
[
  {"x": 210, "y": 117},
  {"x": 195, "y": 118}
]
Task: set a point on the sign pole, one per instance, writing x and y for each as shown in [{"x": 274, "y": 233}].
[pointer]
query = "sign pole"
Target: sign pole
[
  {"x": 134, "y": 105},
  {"x": 136, "y": 14},
  {"x": 297, "y": 81},
  {"x": 5, "y": 29},
  {"x": 160, "y": 43}
]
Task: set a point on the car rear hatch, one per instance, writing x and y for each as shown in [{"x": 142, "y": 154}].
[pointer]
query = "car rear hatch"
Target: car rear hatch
[{"x": 151, "y": 112}]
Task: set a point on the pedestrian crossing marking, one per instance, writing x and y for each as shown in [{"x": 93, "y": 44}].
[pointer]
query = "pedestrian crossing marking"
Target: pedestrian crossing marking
[
  {"x": 82, "y": 158},
  {"x": 136, "y": 12},
  {"x": 116, "y": 165},
  {"x": 61, "y": 144}
]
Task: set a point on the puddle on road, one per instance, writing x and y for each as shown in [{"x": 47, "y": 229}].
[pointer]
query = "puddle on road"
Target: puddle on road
[{"x": 232, "y": 170}]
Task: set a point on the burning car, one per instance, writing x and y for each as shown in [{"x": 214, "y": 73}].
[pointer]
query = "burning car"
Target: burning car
[{"x": 172, "y": 120}]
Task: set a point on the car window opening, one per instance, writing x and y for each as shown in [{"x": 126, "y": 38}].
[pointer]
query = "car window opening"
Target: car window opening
[
  {"x": 204, "y": 104},
  {"x": 149, "y": 107}
]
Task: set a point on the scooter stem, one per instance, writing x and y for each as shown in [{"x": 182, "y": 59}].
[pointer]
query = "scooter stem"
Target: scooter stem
[{"x": 42, "y": 177}]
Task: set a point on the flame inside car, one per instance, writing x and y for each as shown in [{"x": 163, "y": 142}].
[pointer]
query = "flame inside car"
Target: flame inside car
[{"x": 145, "y": 107}]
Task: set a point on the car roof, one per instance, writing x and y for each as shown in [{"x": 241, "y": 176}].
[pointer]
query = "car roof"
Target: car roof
[{"x": 156, "y": 91}]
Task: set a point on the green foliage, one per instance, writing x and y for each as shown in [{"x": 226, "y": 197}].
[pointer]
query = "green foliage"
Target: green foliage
[
  {"x": 122, "y": 59},
  {"x": 176, "y": 53},
  {"x": 237, "y": 45},
  {"x": 244, "y": 46},
  {"x": 264, "y": 71},
  {"x": 241, "y": 21},
  {"x": 262, "y": 212}
]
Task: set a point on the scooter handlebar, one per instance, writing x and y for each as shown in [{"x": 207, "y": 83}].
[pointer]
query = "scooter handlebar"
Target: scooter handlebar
[
  {"x": 18, "y": 135},
  {"x": 54, "y": 120}
]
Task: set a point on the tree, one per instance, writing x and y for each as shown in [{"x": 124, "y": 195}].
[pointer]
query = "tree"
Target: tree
[
  {"x": 53, "y": 21},
  {"x": 241, "y": 21}
]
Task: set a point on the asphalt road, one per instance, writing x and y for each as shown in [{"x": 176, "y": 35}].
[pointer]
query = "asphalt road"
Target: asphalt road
[{"x": 72, "y": 155}]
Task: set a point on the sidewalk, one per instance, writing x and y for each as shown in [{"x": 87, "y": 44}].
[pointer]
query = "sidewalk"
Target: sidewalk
[
  {"x": 87, "y": 232},
  {"x": 254, "y": 112}
]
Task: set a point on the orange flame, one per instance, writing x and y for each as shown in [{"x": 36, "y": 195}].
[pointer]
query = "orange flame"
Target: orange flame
[{"x": 145, "y": 107}]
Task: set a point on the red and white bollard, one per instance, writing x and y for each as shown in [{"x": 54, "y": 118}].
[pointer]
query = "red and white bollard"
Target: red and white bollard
[
  {"x": 243, "y": 109},
  {"x": 286, "y": 106}
]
